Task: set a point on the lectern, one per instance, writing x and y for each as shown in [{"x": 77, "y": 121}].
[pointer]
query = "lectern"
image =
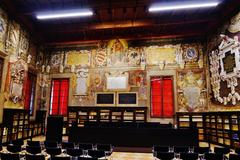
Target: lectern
[{"x": 54, "y": 128}]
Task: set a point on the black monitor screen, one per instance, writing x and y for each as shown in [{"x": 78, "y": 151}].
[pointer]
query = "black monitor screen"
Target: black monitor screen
[
  {"x": 105, "y": 98},
  {"x": 127, "y": 98}
]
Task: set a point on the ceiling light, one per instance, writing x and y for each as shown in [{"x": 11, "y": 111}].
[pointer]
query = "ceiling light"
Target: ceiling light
[
  {"x": 179, "y": 6},
  {"x": 64, "y": 14}
]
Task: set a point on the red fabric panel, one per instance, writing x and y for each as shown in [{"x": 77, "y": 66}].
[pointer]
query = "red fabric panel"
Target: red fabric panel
[
  {"x": 55, "y": 97},
  {"x": 156, "y": 97},
  {"x": 59, "y": 97},
  {"x": 28, "y": 94},
  {"x": 167, "y": 97},
  {"x": 64, "y": 97},
  {"x": 162, "y": 97}
]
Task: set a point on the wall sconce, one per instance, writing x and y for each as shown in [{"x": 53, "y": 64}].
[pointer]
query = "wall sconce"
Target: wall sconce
[{"x": 161, "y": 65}]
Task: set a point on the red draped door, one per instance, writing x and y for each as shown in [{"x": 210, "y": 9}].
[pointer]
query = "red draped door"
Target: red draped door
[
  {"x": 162, "y": 96},
  {"x": 59, "y": 97}
]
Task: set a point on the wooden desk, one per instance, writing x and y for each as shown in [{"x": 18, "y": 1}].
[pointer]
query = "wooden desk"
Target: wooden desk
[{"x": 135, "y": 137}]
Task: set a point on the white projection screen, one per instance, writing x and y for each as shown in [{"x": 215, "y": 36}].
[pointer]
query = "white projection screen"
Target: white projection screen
[{"x": 117, "y": 83}]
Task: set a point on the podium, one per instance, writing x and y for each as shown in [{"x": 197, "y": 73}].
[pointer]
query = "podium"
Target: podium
[{"x": 54, "y": 128}]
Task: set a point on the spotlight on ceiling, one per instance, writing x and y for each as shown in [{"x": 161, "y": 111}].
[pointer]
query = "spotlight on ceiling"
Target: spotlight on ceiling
[
  {"x": 64, "y": 14},
  {"x": 181, "y": 6}
]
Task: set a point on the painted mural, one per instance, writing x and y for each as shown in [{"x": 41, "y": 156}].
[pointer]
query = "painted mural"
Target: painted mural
[
  {"x": 234, "y": 26},
  {"x": 14, "y": 47},
  {"x": 100, "y": 68},
  {"x": 157, "y": 54},
  {"x": 137, "y": 78},
  {"x": 134, "y": 56},
  {"x": 13, "y": 38},
  {"x": 192, "y": 92},
  {"x": 3, "y": 29},
  {"x": 115, "y": 66},
  {"x": 117, "y": 52},
  {"x": 23, "y": 43},
  {"x": 32, "y": 55},
  {"x": 79, "y": 58},
  {"x": 224, "y": 67},
  {"x": 15, "y": 84}
]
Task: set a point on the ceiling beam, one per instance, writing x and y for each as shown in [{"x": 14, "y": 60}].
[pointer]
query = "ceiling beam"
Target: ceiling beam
[
  {"x": 121, "y": 25},
  {"x": 133, "y": 36}
]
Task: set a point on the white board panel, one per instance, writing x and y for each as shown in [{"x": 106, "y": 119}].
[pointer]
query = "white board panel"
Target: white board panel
[{"x": 114, "y": 83}]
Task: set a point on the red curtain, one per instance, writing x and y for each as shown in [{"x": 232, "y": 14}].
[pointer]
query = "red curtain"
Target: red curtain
[
  {"x": 59, "y": 97},
  {"x": 161, "y": 97},
  {"x": 28, "y": 94},
  {"x": 63, "y": 97},
  {"x": 167, "y": 97},
  {"x": 156, "y": 97}
]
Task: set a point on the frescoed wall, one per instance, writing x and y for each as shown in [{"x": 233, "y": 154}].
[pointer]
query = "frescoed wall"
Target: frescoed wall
[
  {"x": 224, "y": 67},
  {"x": 97, "y": 69},
  {"x": 210, "y": 73},
  {"x": 19, "y": 54}
]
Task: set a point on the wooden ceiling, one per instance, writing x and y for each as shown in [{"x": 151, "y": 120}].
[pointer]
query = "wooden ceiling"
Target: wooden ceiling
[{"x": 128, "y": 19}]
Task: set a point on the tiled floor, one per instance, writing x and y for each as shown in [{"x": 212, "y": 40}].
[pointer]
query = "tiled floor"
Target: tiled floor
[{"x": 131, "y": 156}]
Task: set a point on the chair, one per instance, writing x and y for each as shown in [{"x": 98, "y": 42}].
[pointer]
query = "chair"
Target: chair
[
  {"x": 234, "y": 157},
  {"x": 74, "y": 152},
  {"x": 33, "y": 143},
  {"x": 165, "y": 155},
  {"x": 160, "y": 148},
  {"x": 213, "y": 156},
  {"x": 189, "y": 156},
  {"x": 105, "y": 147},
  {"x": 9, "y": 156},
  {"x": 50, "y": 144},
  {"x": 66, "y": 145},
  {"x": 53, "y": 151},
  {"x": 33, "y": 149},
  {"x": 181, "y": 149},
  {"x": 14, "y": 148},
  {"x": 34, "y": 157},
  {"x": 60, "y": 158},
  {"x": 96, "y": 153},
  {"x": 237, "y": 150},
  {"x": 201, "y": 150},
  {"x": 85, "y": 146},
  {"x": 18, "y": 142},
  {"x": 221, "y": 150}
]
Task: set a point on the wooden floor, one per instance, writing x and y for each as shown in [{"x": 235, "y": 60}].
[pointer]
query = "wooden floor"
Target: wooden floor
[{"x": 124, "y": 155}]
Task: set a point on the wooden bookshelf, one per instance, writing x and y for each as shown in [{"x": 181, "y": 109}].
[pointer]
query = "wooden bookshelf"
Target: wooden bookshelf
[
  {"x": 221, "y": 128},
  {"x": 188, "y": 120},
  {"x": 38, "y": 125},
  {"x": 15, "y": 124},
  {"x": 78, "y": 115}
]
